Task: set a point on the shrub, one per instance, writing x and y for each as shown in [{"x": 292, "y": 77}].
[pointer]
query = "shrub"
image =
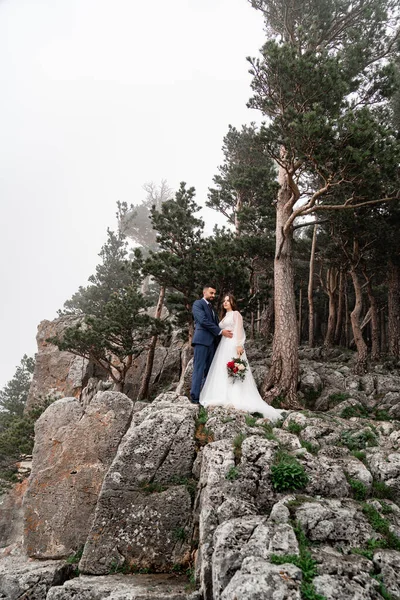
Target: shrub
[
  {"x": 358, "y": 440},
  {"x": 288, "y": 474}
]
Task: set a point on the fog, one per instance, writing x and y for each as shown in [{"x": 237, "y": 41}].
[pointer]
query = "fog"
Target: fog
[{"x": 98, "y": 98}]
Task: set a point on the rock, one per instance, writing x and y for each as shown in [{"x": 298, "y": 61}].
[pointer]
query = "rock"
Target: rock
[
  {"x": 327, "y": 478},
  {"x": 331, "y": 562},
  {"x": 185, "y": 382},
  {"x": 20, "y": 578},
  {"x": 387, "y": 562},
  {"x": 143, "y": 515},
  {"x": 122, "y": 587},
  {"x": 334, "y": 587},
  {"x": 56, "y": 373},
  {"x": 12, "y": 517},
  {"x": 79, "y": 445},
  {"x": 310, "y": 383},
  {"x": 387, "y": 383},
  {"x": 259, "y": 580},
  {"x": 335, "y": 522}
]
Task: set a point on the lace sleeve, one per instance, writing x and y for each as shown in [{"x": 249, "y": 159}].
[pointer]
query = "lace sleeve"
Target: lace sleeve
[{"x": 238, "y": 329}]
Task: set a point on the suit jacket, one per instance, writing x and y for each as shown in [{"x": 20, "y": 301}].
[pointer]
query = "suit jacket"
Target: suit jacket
[{"x": 206, "y": 330}]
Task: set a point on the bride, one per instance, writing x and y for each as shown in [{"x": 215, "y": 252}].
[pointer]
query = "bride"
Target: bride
[{"x": 221, "y": 390}]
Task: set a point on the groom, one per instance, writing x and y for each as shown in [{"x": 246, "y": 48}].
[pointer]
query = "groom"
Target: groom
[{"x": 205, "y": 338}]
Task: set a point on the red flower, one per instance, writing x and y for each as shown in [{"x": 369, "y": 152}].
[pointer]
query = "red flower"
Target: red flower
[
  {"x": 235, "y": 370},
  {"x": 230, "y": 364}
]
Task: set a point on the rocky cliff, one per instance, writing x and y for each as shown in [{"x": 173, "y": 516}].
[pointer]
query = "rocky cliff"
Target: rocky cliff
[{"x": 160, "y": 500}]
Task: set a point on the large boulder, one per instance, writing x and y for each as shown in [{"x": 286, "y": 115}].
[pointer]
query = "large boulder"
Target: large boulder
[
  {"x": 57, "y": 374},
  {"x": 74, "y": 446},
  {"x": 143, "y": 515},
  {"x": 120, "y": 587},
  {"x": 22, "y": 579},
  {"x": 11, "y": 518}
]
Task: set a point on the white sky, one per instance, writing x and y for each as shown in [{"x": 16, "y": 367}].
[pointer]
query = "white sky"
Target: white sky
[{"x": 97, "y": 98}]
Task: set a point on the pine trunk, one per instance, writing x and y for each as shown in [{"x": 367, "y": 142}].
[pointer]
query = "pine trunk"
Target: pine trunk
[
  {"x": 145, "y": 383},
  {"x": 362, "y": 350},
  {"x": 282, "y": 377},
  {"x": 394, "y": 310},
  {"x": 375, "y": 354},
  {"x": 340, "y": 309},
  {"x": 330, "y": 332},
  {"x": 310, "y": 290}
]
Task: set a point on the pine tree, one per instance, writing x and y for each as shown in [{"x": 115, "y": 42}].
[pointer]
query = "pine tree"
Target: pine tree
[{"x": 323, "y": 77}]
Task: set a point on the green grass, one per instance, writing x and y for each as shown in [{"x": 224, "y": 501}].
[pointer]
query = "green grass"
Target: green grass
[
  {"x": 294, "y": 427},
  {"x": 358, "y": 441},
  {"x": 191, "y": 484},
  {"x": 287, "y": 473},
  {"x": 365, "y": 413},
  {"x": 360, "y": 491},
  {"x": 360, "y": 455},
  {"x": 381, "y": 490},
  {"x": 278, "y": 402},
  {"x": 237, "y": 446},
  {"x": 370, "y": 547},
  {"x": 382, "y": 526},
  {"x": 251, "y": 421},
  {"x": 303, "y": 561},
  {"x": 309, "y": 447},
  {"x": 202, "y": 417},
  {"x": 73, "y": 559},
  {"x": 232, "y": 474},
  {"x": 179, "y": 534},
  {"x": 338, "y": 398}
]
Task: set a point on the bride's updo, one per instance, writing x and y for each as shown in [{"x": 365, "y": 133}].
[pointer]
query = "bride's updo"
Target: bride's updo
[{"x": 232, "y": 301}]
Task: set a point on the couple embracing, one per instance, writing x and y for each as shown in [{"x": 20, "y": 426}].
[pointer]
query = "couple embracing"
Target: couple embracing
[{"x": 215, "y": 344}]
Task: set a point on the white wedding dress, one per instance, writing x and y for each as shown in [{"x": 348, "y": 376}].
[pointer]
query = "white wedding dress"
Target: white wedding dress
[{"x": 220, "y": 389}]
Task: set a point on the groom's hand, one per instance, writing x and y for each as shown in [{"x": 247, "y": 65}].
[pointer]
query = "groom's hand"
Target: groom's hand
[{"x": 227, "y": 333}]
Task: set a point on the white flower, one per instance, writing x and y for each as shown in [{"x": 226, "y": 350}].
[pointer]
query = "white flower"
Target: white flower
[{"x": 241, "y": 367}]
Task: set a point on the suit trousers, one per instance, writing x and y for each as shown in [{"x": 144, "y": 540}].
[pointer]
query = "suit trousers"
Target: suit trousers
[{"x": 202, "y": 360}]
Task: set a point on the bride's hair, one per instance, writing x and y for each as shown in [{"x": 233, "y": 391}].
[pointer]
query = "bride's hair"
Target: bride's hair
[{"x": 232, "y": 300}]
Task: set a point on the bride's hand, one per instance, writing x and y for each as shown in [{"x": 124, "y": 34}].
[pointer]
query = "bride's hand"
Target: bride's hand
[{"x": 239, "y": 350}]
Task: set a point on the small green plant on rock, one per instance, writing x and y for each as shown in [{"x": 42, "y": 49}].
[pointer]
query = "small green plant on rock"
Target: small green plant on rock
[
  {"x": 237, "y": 446},
  {"x": 251, "y": 421},
  {"x": 360, "y": 455},
  {"x": 355, "y": 440},
  {"x": 179, "y": 534},
  {"x": 287, "y": 473},
  {"x": 381, "y": 490},
  {"x": 202, "y": 416},
  {"x": 75, "y": 558},
  {"x": 359, "y": 489},
  {"x": 294, "y": 427},
  {"x": 232, "y": 474},
  {"x": 309, "y": 447},
  {"x": 303, "y": 561},
  {"x": 337, "y": 398}
]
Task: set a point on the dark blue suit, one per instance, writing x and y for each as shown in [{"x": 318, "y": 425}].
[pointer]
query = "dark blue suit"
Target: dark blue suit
[{"x": 206, "y": 334}]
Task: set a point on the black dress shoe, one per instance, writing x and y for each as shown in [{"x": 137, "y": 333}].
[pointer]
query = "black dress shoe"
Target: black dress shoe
[{"x": 193, "y": 400}]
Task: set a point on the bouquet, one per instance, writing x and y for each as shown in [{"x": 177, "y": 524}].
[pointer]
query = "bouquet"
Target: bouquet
[{"x": 237, "y": 368}]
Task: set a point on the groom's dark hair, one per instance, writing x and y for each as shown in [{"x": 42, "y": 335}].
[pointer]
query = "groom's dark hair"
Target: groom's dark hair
[{"x": 209, "y": 285}]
